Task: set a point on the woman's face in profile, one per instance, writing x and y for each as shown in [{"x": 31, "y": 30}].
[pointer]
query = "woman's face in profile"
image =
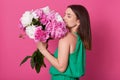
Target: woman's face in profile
[{"x": 70, "y": 18}]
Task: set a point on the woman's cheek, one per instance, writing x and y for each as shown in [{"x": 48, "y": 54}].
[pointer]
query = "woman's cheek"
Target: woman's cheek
[{"x": 71, "y": 24}]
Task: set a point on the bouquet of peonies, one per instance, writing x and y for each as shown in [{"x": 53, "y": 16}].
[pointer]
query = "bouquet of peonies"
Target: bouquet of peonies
[{"x": 41, "y": 25}]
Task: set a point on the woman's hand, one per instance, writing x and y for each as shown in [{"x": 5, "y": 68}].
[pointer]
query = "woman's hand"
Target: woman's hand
[{"x": 42, "y": 46}]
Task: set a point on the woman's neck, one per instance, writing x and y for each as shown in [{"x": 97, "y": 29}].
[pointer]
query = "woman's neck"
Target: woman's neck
[{"x": 73, "y": 30}]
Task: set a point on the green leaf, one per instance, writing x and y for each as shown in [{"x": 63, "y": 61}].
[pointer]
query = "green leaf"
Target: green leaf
[
  {"x": 32, "y": 63},
  {"x": 37, "y": 68},
  {"x": 35, "y": 22},
  {"x": 34, "y": 54},
  {"x": 38, "y": 60},
  {"x": 25, "y": 59}
]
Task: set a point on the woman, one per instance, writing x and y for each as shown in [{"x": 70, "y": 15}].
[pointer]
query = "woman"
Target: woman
[{"x": 68, "y": 62}]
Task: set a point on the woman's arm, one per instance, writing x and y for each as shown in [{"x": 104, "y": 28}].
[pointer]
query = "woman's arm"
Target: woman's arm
[{"x": 61, "y": 62}]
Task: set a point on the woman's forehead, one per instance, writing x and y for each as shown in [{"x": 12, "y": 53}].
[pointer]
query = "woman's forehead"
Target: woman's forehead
[{"x": 69, "y": 11}]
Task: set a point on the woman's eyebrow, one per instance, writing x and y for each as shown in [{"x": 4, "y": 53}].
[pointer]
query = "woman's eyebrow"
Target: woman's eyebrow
[{"x": 67, "y": 13}]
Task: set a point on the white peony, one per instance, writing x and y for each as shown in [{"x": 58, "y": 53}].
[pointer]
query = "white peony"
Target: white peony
[
  {"x": 30, "y": 31},
  {"x": 46, "y": 10},
  {"x": 58, "y": 17},
  {"x": 26, "y": 18}
]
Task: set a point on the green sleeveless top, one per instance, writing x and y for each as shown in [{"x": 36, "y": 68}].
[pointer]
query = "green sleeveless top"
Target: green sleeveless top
[{"x": 76, "y": 62}]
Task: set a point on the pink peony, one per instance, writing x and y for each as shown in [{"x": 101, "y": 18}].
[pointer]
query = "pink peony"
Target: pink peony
[
  {"x": 51, "y": 15},
  {"x": 44, "y": 19},
  {"x": 56, "y": 29},
  {"x": 41, "y": 35},
  {"x": 39, "y": 12}
]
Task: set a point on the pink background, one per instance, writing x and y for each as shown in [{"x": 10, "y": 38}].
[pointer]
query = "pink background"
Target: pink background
[{"x": 102, "y": 62}]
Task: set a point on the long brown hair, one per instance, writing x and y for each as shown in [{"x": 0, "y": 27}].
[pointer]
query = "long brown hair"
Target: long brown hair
[{"x": 84, "y": 29}]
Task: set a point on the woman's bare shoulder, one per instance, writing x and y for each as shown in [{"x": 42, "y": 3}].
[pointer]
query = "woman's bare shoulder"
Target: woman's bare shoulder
[{"x": 67, "y": 39}]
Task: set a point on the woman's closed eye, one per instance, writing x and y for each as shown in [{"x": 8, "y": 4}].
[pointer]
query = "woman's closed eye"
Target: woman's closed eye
[{"x": 69, "y": 16}]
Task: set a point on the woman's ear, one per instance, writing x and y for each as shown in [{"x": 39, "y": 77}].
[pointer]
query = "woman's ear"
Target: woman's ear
[{"x": 78, "y": 22}]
